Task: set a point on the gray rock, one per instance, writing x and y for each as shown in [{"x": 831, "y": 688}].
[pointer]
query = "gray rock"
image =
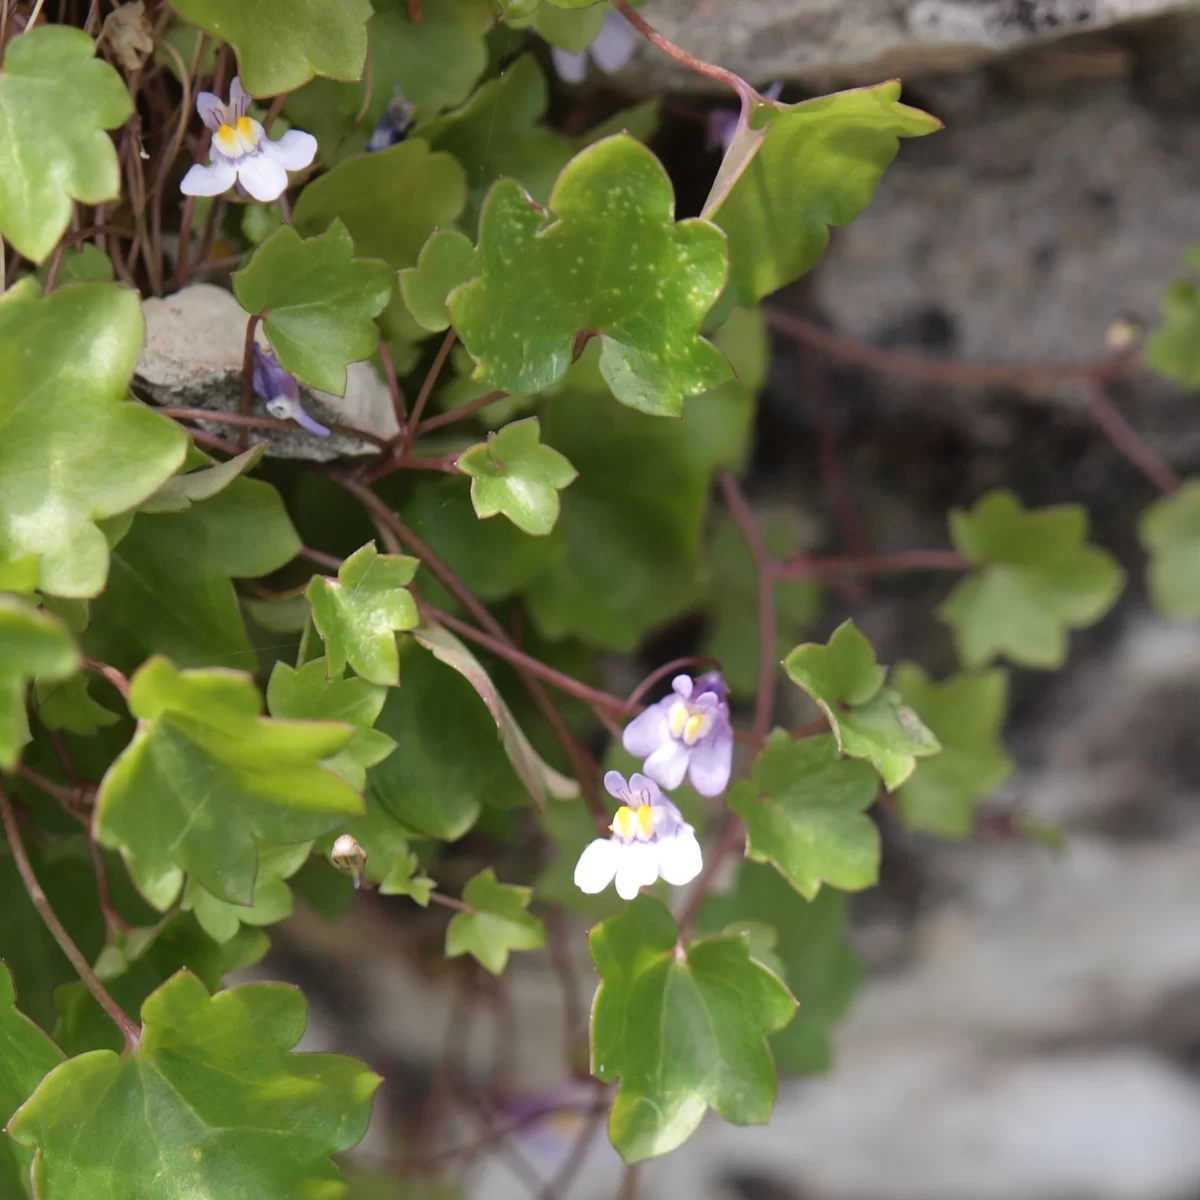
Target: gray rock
[
  {"x": 857, "y": 41},
  {"x": 192, "y": 358}
]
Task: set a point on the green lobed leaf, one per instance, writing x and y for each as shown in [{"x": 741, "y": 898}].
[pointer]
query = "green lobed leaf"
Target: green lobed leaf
[
  {"x": 571, "y": 28},
  {"x": 866, "y": 718},
  {"x": 73, "y": 449},
  {"x": 309, "y": 694},
  {"x": 818, "y": 165},
  {"x": 805, "y": 813},
  {"x": 645, "y": 301},
  {"x": 819, "y": 966},
  {"x": 27, "y": 1056},
  {"x": 628, "y": 541},
  {"x": 79, "y": 264},
  {"x": 448, "y": 259},
  {"x": 138, "y": 962},
  {"x": 539, "y": 778},
  {"x": 170, "y": 590},
  {"x": 1036, "y": 580},
  {"x": 966, "y": 714},
  {"x": 1173, "y": 349},
  {"x": 497, "y": 135},
  {"x": 67, "y": 704},
  {"x": 499, "y": 924},
  {"x": 683, "y": 1031},
  {"x": 180, "y": 492},
  {"x": 282, "y": 44},
  {"x": 514, "y": 473},
  {"x": 1170, "y": 531},
  {"x": 31, "y": 643},
  {"x": 390, "y": 201},
  {"x": 358, "y": 614},
  {"x": 318, "y": 302},
  {"x": 207, "y": 778},
  {"x": 211, "y": 1105},
  {"x": 448, "y": 761},
  {"x": 56, "y": 101},
  {"x": 20, "y": 575}
]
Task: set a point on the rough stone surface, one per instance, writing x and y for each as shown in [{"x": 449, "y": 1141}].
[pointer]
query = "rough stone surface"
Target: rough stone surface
[
  {"x": 857, "y": 41},
  {"x": 192, "y": 358}
]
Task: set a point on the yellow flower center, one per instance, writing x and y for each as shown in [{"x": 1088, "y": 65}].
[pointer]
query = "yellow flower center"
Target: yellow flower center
[
  {"x": 687, "y": 723},
  {"x": 630, "y": 823},
  {"x": 235, "y": 140}
]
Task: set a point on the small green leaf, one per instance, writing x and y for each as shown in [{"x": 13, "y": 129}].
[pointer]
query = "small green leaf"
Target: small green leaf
[
  {"x": 56, "y": 101},
  {"x": 309, "y": 694},
  {"x": 359, "y": 613},
  {"x": 141, "y": 960},
  {"x": 27, "y": 1056},
  {"x": 390, "y": 202},
  {"x": 180, "y": 492},
  {"x": 448, "y": 259},
  {"x": 498, "y": 925},
  {"x": 1170, "y": 531},
  {"x": 683, "y": 1031},
  {"x": 31, "y": 643},
  {"x": 73, "y": 448},
  {"x": 1036, "y": 580},
  {"x": 818, "y": 165},
  {"x": 515, "y": 474},
  {"x": 171, "y": 591},
  {"x": 821, "y": 969},
  {"x": 448, "y": 760},
  {"x": 965, "y": 713},
  {"x": 80, "y": 264},
  {"x": 67, "y": 704},
  {"x": 539, "y": 778},
  {"x": 866, "y": 718},
  {"x": 318, "y": 302},
  {"x": 20, "y": 575},
  {"x": 571, "y": 28},
  {"x": 805, "y": 809},
  {"x": 282, "y": 44},
  {"x": 497, "y": 135},
  {"x": 271, "y": 903},
  {"x": 207, "y": 777},
  {"x": 212, "y": 1104},
  {"x": 646, "y": 302},
  {"x": 391, "y": 863},
  {"x": 1173, "y": 349}
]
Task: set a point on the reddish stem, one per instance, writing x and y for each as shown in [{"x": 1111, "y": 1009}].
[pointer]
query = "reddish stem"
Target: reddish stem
[
  {"x": 461, "y": 413},
  {"x": 389, "y": 371},
  {"x": 115, "y": 677},
  {"x": 676, "y": 664},
  {"x": 809, "y": 567},
  {"x": 250, "y": 422},
  {"x": 1126, "y": 439},
  {"x": 450, "y": 902},
  {"x": 430, "y": 382},
  {"x": 129, "y": 1029}
]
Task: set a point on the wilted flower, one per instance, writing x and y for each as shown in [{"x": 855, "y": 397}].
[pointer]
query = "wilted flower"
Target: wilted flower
[
  {"x": 610, "y": 50},
  {"x": 242, "y": 153},
  {"x": 347, "y": 854},
  {"x": 686, "y": 733},
  {"x": 649, "y": 838},
  {"x": 281, "y": 392},
  {"x": 723, "y": 122},
  {"x": 393, "y": 125}
]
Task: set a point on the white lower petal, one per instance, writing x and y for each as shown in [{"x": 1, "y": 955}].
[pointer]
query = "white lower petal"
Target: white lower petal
[
  {"x": 212, "y": 180},
  {"x": 294, "y": 151},
  {"x": 637, "y": 867},
  {"x": 596, "y": 866},
  {"x": 570, "y": 68},
  {"x": 262, "y": 177},
  {"x": 668, "y": 764},
  {"x": 679, "y": 858}
]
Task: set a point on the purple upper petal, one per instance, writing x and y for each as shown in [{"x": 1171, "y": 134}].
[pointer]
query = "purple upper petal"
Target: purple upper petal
[
  {"x": 712, "y": 683},
  {"x": 570, "y": 68},
  {"x": 641, "y": 784},
  {"x": 614, "y": 45},
  {"x": 615, "y": 785},
  {"x": 681, "y": 685},
  {"x": 269, "y": 379},
  {"x": 239, "y": 102},
  {"x": 211, "y": 110}
]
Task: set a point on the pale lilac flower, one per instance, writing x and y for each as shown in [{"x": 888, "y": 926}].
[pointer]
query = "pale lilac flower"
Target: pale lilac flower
[
  {"x": 242, "y": 153},
  {"x": 281, "y": 392},
  {"x": 393, "y": 125},
  {"x": 610, "y": 50},
  {"x": 686, "y": 733},
  {"x": 649, "y": 838},
  {"x": 723, "y": 122}
]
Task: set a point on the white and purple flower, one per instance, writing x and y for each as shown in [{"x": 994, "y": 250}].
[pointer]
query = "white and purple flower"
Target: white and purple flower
[
  {"x": 280, "y": 391},
  {"x": 610, "y": 50},
  {"x": 688, "y": 733},
  {"x": 242, "y": 153},
  {"x": 649, "y": 839}
]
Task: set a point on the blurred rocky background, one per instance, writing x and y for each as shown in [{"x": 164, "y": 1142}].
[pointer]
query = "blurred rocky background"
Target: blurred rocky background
[{"x": 1030, "y": 1025}]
